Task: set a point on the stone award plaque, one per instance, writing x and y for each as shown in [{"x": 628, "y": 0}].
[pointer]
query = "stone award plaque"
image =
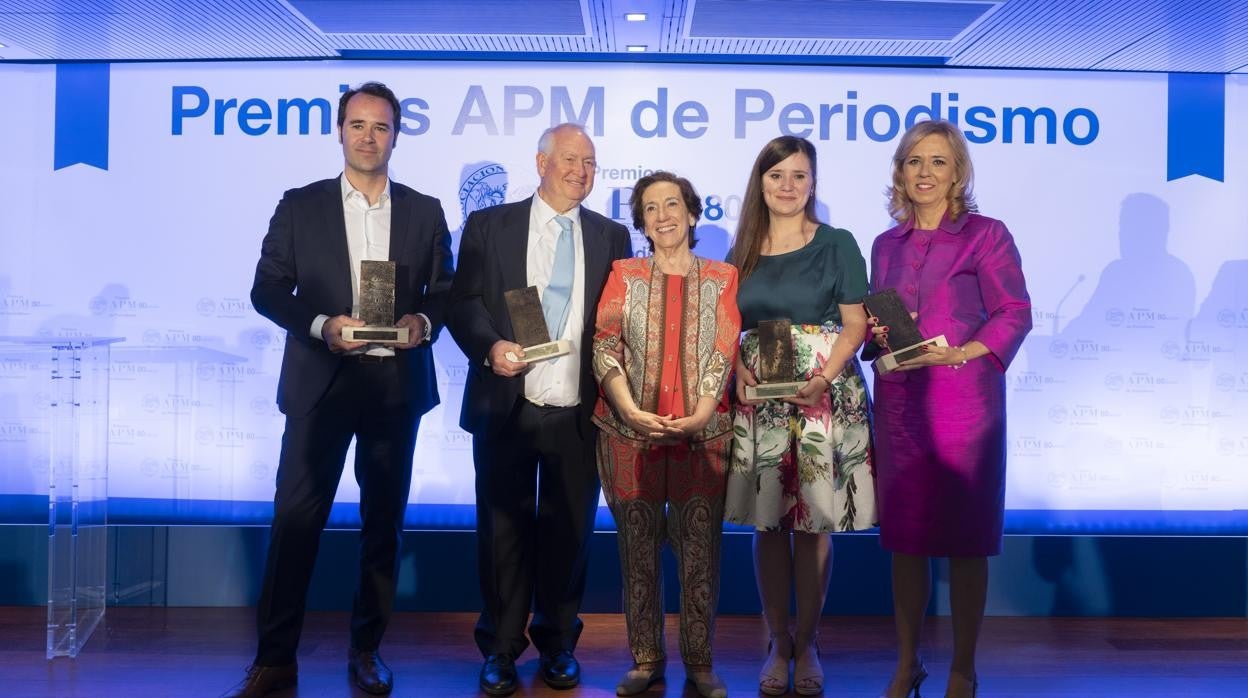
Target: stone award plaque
[
  {"x": 904, "y": 339},
  {"x": 776, "y": 365},
  {"x": 529, "y": 325},
  {"x": 376, "y": 306}
]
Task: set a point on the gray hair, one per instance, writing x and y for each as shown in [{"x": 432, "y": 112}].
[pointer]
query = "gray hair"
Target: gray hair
[{"x": 546, "y": 143}]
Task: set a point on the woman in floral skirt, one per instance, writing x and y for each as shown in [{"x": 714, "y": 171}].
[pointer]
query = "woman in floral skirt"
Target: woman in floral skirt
[{"x": 801, "y": 467}]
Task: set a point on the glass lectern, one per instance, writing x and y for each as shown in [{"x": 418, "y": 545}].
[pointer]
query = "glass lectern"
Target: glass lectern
[{"x": 74, "y": 403}]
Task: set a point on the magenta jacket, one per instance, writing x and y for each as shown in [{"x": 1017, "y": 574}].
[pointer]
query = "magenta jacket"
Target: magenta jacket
[{"x": 967, "y": 286}]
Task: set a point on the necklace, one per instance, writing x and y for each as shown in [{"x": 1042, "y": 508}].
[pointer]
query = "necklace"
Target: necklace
[
  {"x": 790, "y": 243},
  {"x": 661, "y": 263}
]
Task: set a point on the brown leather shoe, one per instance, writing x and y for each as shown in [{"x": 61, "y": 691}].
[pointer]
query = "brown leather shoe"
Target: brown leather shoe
[
  {"x": 263, "y": 680},
  {"x": 369, "y": 673}
]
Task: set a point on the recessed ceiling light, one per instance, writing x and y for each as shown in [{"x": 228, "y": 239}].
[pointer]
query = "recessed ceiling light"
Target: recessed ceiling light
[
  {"x": 634, "y": 16},
  {"x": 636, "y": 48}
]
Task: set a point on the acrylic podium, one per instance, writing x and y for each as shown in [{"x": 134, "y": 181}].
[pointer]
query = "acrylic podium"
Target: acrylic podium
[{"x": 74, "y": 373}]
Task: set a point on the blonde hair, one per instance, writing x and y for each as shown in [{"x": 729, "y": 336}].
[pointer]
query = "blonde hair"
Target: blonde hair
[{"x": 961, "y": 192}]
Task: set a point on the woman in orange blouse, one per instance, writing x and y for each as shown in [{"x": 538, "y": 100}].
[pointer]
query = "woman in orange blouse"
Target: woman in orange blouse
[{"x": 666, "y": 425}]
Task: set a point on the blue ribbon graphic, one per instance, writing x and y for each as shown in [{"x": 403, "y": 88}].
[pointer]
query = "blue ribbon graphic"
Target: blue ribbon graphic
[
  {"x": 1196, "y": 142},
  {"x": 81, "y": 115}
]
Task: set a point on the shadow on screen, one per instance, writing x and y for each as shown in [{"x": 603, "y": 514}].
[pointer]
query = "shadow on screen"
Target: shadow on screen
[{"x": 1138, "y": 576}]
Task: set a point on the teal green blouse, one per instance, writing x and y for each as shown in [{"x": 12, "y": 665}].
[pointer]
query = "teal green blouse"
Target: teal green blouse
[{"x": 807, "y": 284}]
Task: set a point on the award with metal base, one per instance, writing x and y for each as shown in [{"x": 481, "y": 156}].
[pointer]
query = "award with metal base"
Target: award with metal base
[
  {"x": 376, "y": 306},
  {"x": 903, "y": 332},
  {"x": 529, "y": 324},
  {"x": 776, "y": 366}
]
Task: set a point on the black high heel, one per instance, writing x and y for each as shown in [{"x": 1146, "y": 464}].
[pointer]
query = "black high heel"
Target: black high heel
[
  {"x": 919, "y": 677},
  {"x": 916, "y": 680}
]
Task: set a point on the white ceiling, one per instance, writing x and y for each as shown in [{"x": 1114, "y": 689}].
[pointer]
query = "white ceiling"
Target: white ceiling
[{"x": 1125, "y": 35}]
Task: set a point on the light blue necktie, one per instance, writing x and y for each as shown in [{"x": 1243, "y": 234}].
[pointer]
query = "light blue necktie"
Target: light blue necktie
[{"x": 559, "y": 291}]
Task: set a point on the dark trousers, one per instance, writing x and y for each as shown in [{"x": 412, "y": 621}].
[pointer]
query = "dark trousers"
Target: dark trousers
[
  {"x": 537, "y": 492},
  {"x": 365, "y": 401}
]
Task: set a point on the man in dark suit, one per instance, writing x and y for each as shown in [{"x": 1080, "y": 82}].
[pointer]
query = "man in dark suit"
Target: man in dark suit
[
  {"x": 533, "y": 442},
  {"x": 332, "y": 390}
]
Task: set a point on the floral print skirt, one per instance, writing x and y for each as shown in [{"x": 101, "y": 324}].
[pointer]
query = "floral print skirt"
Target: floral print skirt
[{"x": 798, "y": 468}]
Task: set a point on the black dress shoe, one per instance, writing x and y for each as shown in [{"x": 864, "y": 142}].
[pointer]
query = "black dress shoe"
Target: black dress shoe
[
  {"x": 498, "y": 675},
  {"x": 560, "y": 669},
  {"x": 369, "y": 673},
  {"x": 263, "y": 680}
]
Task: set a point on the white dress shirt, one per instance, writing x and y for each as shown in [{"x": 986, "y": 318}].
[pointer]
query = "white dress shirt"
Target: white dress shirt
[
  {"x": 556, "y": 382},
  {"x": 368, "y": 238}
]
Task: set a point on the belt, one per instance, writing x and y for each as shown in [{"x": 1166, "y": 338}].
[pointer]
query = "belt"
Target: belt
[
  {"x": 370, "y": 358},
  {"x": 546, "y": 408}
]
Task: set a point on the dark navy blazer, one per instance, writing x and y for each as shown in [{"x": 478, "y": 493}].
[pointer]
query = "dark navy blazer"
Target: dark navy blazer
[{"x": 304, "y": 271}]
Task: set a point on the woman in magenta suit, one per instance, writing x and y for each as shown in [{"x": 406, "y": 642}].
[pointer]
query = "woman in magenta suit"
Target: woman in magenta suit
[{"x": 940, "y": 420}]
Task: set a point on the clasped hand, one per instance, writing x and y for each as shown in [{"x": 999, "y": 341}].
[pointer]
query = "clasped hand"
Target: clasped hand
[{"x": 663, "y": 428}]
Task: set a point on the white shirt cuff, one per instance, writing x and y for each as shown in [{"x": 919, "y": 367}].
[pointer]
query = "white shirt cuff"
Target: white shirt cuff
[{"x": 317, "y": 324}]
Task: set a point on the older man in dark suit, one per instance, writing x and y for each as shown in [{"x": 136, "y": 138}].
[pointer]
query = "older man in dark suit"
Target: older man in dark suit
[
  {"x": 533, "y": 442},
  {"x": 332, "y": 390}
]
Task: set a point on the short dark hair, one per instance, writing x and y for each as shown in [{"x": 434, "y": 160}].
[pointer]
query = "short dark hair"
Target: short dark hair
[
  {"x": 692, "y": 202},
  {"x": 376, "y": 89}
]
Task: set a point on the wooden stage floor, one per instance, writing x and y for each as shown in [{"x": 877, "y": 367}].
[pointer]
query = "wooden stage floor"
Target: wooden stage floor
[{"x": 175, "y": 652}]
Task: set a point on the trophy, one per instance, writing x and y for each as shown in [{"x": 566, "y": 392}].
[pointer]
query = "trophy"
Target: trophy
[
  {"x": 903, "y": 332},
  {"x": 376, "y": 306},
  {"x": 776, "y": 366},
  {"x": 529, "y": 324}
]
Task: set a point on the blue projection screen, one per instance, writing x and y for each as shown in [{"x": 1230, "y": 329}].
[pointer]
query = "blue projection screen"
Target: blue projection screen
[{"x": 137, "y": 196}]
